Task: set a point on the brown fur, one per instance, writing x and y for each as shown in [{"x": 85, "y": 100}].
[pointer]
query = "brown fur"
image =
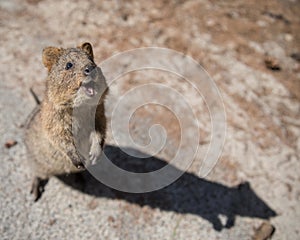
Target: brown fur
[{"x": 50, "y": 131}]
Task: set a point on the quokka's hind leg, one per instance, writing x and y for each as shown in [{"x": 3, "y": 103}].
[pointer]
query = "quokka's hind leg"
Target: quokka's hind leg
[{"x": 37, "y": 187}]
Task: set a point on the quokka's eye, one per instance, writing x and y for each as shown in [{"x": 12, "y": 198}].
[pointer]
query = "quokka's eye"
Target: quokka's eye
[{"x": 69, "y": 65}]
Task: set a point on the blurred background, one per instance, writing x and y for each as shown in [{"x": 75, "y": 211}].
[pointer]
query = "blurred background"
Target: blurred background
[{"x": 250, "y": 49}]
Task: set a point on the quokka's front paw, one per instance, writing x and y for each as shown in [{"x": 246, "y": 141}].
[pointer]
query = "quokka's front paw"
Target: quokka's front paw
[
  {"x": 78, "y": 164},
  {"x": 95, "y": 153},
  {"x": 77, "y": 160},
  {"x": 37, "y": 187}
]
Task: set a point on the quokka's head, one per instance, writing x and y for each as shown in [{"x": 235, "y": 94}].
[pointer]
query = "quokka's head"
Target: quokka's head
[{"x": 73, "y": 77}]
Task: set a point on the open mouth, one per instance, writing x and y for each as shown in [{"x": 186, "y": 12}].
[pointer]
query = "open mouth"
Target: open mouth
[{"x": 89, "y": 88}]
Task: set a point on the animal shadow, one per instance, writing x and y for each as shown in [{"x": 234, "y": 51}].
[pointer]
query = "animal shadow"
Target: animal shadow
[{"x": 189, "y": 194}]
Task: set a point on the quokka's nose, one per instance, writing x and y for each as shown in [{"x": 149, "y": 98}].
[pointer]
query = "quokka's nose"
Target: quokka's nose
[{"x": 88, "y": 69}]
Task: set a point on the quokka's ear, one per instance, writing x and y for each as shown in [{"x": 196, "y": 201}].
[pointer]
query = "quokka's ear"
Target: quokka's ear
[
  {"x": 51, "y": 56},
  {"x": 87, "y": 47}
]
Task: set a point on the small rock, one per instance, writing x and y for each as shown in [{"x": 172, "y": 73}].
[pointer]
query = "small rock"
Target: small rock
[
  {"x": 262, "y": 23},
  {"x": 288, "y": 37},
  {"x": 272, "y": 63},
  {"x": 232, "y": 14},
  {"x": 296, "y": 56},
  {"x": 10, "y": 143},
  {"x": 264, "y": 232},
  {"x": 125, "y": 16},
  {"x": 210, "y": 23},
  {"x": 111, "y": 219},
  {"x": 92, "y": 204},
  {"x": 52, "y": 221}
]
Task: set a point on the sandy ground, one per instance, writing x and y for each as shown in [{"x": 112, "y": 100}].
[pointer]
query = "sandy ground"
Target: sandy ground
[{"x": 250, "y": 49}]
